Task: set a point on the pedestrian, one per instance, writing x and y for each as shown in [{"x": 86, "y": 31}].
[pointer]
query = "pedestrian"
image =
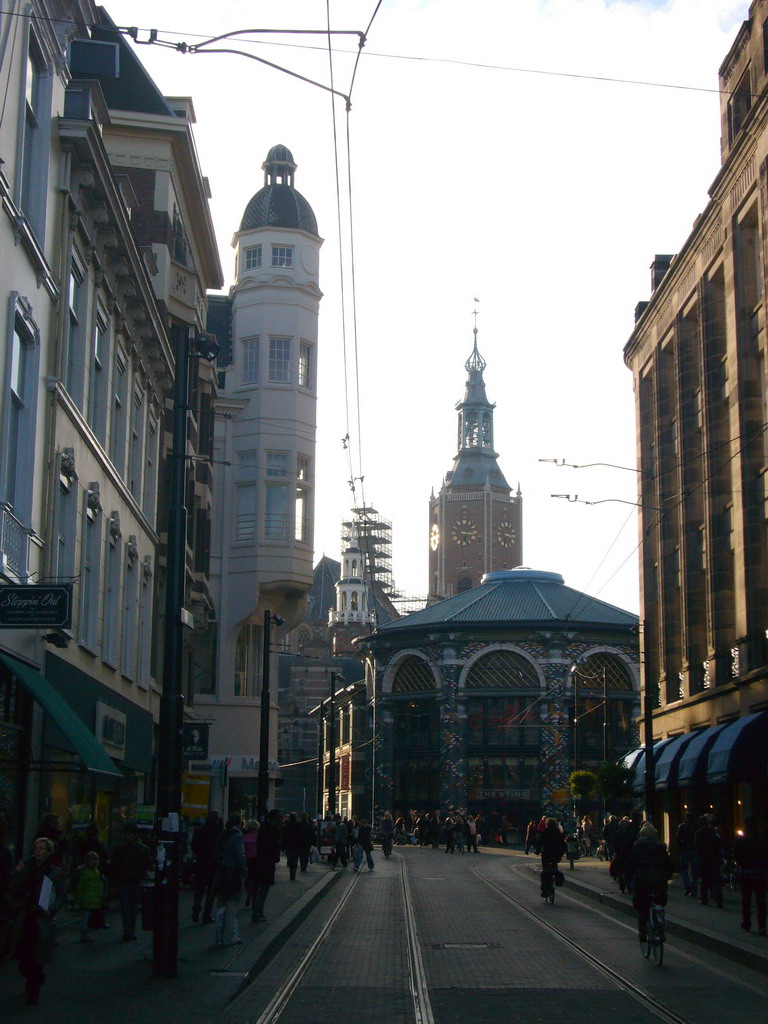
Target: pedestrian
[
  {"x": 750, "y": 851},
  {"x": 686, "y": 849},
  {"x": 364, "y": 845},
  {"x": 250, "y": 846},
  {"x": 92, "y": 844},
  {"x": 89, "y": 892},
  {"x": 50, "y": 828},
  {"x": 36, "y": 894},
  {"x": 435, "y": 831},
  {"x": 530, "y": 836},
  {"x": 307, "y": 840},
  {"x": 203, "y": 846},
  {"x": 540, "y": 834},
  {"x": 552, "y": 849},
  {"x": 610, "y": 829},
  {"x": 460, "y": 832},
  {"x": 709, "y": 847},
  {"x": 649, "y": 869},
  {"x": 623, "y": 842},
  {"x": 339, "y": 837},
  {"x": 449, "y": 834},
  {"x": 471, "y": 834},
  {"x": 130, "y": 862},
  {"x": 267, "y": 855},
  {"x": 292, "y": 843},
  {"x": 230, "y": 876},
  {"x": 504, "y": 828},
  {"x": 586, "y": 833}
]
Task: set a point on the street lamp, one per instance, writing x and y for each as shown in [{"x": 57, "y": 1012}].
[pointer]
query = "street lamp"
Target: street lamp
[
  {"x": 165, "y": 936},
  {"x": 263, "y": 780}
]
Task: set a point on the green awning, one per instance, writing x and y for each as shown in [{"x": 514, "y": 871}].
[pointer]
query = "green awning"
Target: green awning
[{"x": 74, "y": 728}]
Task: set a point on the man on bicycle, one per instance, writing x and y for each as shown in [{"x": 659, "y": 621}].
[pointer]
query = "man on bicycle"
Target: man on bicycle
[
  {"x": 552, "y": 850},
  {"x": 649, "y": 869}
]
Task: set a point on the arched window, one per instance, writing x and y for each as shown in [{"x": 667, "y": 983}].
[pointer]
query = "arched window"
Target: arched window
[
  {"x": 354, "y": 601},
  {"x": 343, "y": 600},
  {"x": 413, "y": 674},
  {"x": 499, "y": 670},
  {"x": 354, "y": 567},
  {"x": 591, "y": 669},
  {"x": 362, "y": 600}
]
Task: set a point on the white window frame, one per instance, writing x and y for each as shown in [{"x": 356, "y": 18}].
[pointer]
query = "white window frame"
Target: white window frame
[
  {"x": 111, "y": 622},
  {"x": 66, "y": 527},
  {"x": 250, "y": 367},
  {"x": 279, "y": 371},
  {"x": 77, "y": 322},
  {"x": 98, "y": 397},
  {"x": 145, "y": 624},
  {"x": 149, "y": 496},
  {"x": 90, "y": 577},
  {"x": 245, "y": 511},
  {"x": 19, "y": 415},
  {"x": 128, "y": 647},
  {"x": 34, "y": 138},
  {"x": 136, "y": 447},
  {"x": 305, "y": 365},
  {"x": 282, "y": 256},
  {"x": 252, "y": 257},
  {"x": 119, "y": 411},
  {"x": 276, "y": 511}
]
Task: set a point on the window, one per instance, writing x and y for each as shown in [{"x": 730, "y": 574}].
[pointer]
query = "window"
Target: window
[
  {"x": 90, "y": 569},
  {"x": 282, "y": 255},
  {"x": 65, "y": 515},
  {"x": 149, "y": 500},
  {"x": 99, "y": 386},
  {"x": 33, "y": 176},
  {"x": 118, "y": 424},
  {"x": 248, "y": 661},
  {"x": 279, "y": 360},
  {"x": 305, "y": 365},
  {"x": 250, "y": 361},
  {"x": 145, "y": 624},
  {"x": 302, "y": 467},
  {"x": 20, "y": 410},
  {"x": 245, "y": 522},
  {"x": 739, "y": 105},
  {"x": 276, "y": 512},
  {"x": 136, "y": 452},
  {"x": 77, "y": 293},
  {"x": 301, "y": 524},
  {"x": 252, "y": 257},
  {"x": 277, "y": 463},
  {"x": 112, "y": 566},
  {"x": 129, "y": 651}
]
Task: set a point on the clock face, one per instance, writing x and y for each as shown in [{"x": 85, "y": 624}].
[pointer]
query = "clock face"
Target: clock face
[
  {"x": 434, "y": 537},
  {"x": 505, "y": 533},
  {"x": 464, "y": 531}
]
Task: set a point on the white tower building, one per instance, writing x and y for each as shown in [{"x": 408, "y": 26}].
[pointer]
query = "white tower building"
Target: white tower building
[{"x": 262, "y": 543}]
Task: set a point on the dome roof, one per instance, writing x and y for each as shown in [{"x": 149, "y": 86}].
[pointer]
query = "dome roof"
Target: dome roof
[
  {"x": 278, "y": 204},
  {"x": 517, "y": 597}
]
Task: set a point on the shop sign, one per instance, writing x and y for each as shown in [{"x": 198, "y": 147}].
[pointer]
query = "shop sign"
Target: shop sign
[
  {"x": 35, "y": 606},
  {"x": 194, "y": 741},
  {"x": 111, "y": 729},
  {"x": 503, "y": 794}
]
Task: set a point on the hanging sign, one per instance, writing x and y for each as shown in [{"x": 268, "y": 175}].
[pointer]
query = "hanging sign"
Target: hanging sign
[{"x": 30, "y": 607}]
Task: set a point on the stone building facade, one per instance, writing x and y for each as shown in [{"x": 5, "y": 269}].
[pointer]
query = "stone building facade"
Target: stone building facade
[{"x": 699, "y": 357}]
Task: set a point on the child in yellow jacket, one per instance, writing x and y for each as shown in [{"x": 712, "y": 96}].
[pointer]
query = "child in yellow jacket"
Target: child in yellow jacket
[{"x": 89, "y": 892}]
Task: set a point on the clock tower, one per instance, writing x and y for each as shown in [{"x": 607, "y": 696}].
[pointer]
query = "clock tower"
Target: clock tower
[{"x": 475, "y": 522}]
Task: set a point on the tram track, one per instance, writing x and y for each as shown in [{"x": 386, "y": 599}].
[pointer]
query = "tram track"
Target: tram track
[
  {"x": 624, "y": 983},
  {"x": 418, "y": 989}
]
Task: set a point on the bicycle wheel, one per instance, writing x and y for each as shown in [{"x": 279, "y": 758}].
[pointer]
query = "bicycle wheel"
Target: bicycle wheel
[
  {"x": 551, "y": 894},
  {"x": 657, "y": 950}
]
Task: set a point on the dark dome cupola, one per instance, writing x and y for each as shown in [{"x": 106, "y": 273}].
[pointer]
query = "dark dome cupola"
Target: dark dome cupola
[{"x": 278, "y": 204}]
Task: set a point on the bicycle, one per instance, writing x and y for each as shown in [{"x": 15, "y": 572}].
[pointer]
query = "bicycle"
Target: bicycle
[
  {"x": 653, "y": 944},
  {"x": 548, "y": 884}
]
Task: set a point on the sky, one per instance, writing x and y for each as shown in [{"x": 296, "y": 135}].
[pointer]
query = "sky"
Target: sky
[{"x": 521, "y": 159}]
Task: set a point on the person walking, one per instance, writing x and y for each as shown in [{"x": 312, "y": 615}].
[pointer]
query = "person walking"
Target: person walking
[
  {"x": 460, "y": 833},
  {"x": 471, "y": 834},
  {"x": 203, "y": 846},
  {"x": 387, "y": 834},
  {"x": 623, "y": 843},
  {"x": 449, "y": 834},
  {"x": 89, "y": 892},
  {"x": 540, "y": 834},
  {"x": 649, "y": 869},
  {"x": 37, "y": 893},
  {"x": 307, "y": 841},
  {"x": 552, "y": 849},
  {"x": 686, "y": 849},
  {"x": 130, "y": 862},
  {"x": 750, "y": 851},
  {"x": 610, "y": 829},
  {"x": 250, "y": 846},
  {"x": 267, "y": 855},
  {"x": 586, "y": 833},
  {"x": 364, "y": 845},
  {"x": 709, "y": 847},
  {"x": 230, "y": 875},
  {"x": 292, "y": 843},
  {"x": 530, "y": 836},
  {"x": 339, "y": 837}
]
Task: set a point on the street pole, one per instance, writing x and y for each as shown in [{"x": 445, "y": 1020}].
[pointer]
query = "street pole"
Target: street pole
[
  {"x": 320, "y": 724},
  {"x": 165, "y": 936},
  {"x": 332, "y": 749},
  {"x": 605, "y": 735},
  {"x": 263, "y": 781}
]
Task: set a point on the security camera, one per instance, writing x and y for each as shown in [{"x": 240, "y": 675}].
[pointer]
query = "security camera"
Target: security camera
[{"x": 278, "y": 620}]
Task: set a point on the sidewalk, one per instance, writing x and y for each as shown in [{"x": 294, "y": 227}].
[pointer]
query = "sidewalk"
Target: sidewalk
[
  {"x": 715, "y": 929},
  {"x": 87, "y": 983}
]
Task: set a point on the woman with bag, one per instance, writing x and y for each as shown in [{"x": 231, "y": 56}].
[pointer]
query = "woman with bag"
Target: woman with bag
[
  {"x": 37, "y": 893},
  {"x": 364, "y": 845}
]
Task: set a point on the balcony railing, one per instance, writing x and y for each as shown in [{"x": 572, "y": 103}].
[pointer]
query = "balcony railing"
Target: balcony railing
[{"x": 14, "y": 545}]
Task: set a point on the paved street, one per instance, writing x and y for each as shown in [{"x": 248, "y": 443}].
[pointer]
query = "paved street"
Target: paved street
[{"x": 482, "y": 955}]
